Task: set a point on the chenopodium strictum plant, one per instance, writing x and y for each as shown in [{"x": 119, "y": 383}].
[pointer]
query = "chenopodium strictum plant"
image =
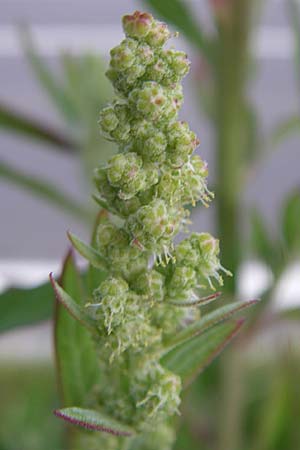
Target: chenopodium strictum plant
[{"x": 144, "y": 317}]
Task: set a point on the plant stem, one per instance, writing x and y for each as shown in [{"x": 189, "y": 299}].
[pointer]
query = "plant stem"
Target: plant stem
[{"x": 230, "y": 128}]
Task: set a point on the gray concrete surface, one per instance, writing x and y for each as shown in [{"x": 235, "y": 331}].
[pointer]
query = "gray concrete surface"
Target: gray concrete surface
[{"x": 30, "y": 228}]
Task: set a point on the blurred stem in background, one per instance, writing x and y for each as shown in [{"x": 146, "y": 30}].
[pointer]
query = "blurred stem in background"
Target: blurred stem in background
[{"x": 232, "y": 20}]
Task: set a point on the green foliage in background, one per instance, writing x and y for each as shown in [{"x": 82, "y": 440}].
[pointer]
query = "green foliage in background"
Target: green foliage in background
[
  {"x": 28, "y": 396},
  {"x": 78, "y": 95}
]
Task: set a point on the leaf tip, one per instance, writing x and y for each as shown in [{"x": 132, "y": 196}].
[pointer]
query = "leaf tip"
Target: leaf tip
[
  {"x": 90, "y": 425},
  {"x": 240, "y": 322},
  {"x": 51, "y": 278},
  {"x": 254, "y": 301},
  {"x": 70, "y": 236}
]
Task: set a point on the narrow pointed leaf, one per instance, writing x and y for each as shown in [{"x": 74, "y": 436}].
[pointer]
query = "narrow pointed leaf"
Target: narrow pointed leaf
[
  {"x": 88, "y": 252},
  {"x": 20, "y": 307},
  {"x": 103, "y": 204},
  {"x": 76, "y": 310},
  {"x": 288, "y": 127},
  {"x": 43, "y": 190},
  {"x": 206, "y": 322},
  {"x": 20, "y": 123},
  {"x": 76, "y": 356},
  {"x": 94, "y": 420},
  {"x": 192, "y": 357},
  {"x": 197, "y": 302},
  {"x": 94, "y": 275},
  {"x": 51, "y": 83}
]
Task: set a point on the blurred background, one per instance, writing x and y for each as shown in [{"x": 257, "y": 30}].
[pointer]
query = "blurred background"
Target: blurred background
[{"x": 242, "y": 98}]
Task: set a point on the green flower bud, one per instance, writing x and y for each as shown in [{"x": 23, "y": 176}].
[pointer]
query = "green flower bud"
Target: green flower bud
[
  {"x": 154, "y": 147},
  {"x": 150, "y": 100},
  {"x": 116, "y": 169},
  {"x": 159, "y": 71},
  {"x": 122, "y": 253},
  {"x": 151, "y": 284},
  {"x": 186, "y": 254},
  {"x": 137, "y": 25},
  {"x": 194, "y": 182},
  {"x": 143, "y": 129},
  {"x": 158, "y": 35},
  {"x": 178, "y": 62},
  {"x": 108, "y": 119},
  {"x": 112, "y": 286},
  {"x": 106, "y": 234},
  {"x": 136, "y": 334},
  {"x": 126, "y": 207},
  {"x": 162, "y": 397},
  {"x": 169, "y": 320},
  {"x": 169, "y": 187},
  {"x": 123, "y": 56},
  {"x": 145, "y": 54},
  {"x": 184, "y": 279},
  {"x": 110, "y": 300},
  {"x": 152, "y": 174},
  {"x": 125, "y": 172},
  {"x": 102, "y": 184},
  {"x": 182, "y": 142},
  {"x": 154, "y": 218},
  {"x": 147, "y": 196},
  {"x": 134, "y": 267},
  {"x": 200, "y": 251},
  {"x": 122, "y": 132},
  {"x": 112, "y": 75}
]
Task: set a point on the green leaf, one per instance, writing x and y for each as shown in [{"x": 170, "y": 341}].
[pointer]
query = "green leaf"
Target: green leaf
[
  {"x": 20, "y": 307},
  {"x": 192, "y": 357},
  {"x": 43, "y": 190},
  {"x": 76, "y": 357},
  {"x": 73, "y": 307},
  {"x": 176, "y": 12},
  {"x": 94, "y": 420},
  {"x": 94, "y": 275},
  {"x": 103, "y": 204},
  {"x": 88, "y": 252},
  {"x": 291, "y": 221},
  {"x": 19, "y": 123},
  {"x": 47, "y": 80},
  {"x": 196, "y": 302},
  {"x": 283, "y": 130},
  {"x": 206, "y": 322},
  {"x": 277, "y": 425}
]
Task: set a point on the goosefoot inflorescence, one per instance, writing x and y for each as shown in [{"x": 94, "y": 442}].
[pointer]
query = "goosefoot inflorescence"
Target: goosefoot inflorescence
[{"x": 153, "y": 286}]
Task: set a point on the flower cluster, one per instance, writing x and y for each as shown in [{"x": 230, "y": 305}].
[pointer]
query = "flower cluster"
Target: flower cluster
[{"x": 147, "y": 187}]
